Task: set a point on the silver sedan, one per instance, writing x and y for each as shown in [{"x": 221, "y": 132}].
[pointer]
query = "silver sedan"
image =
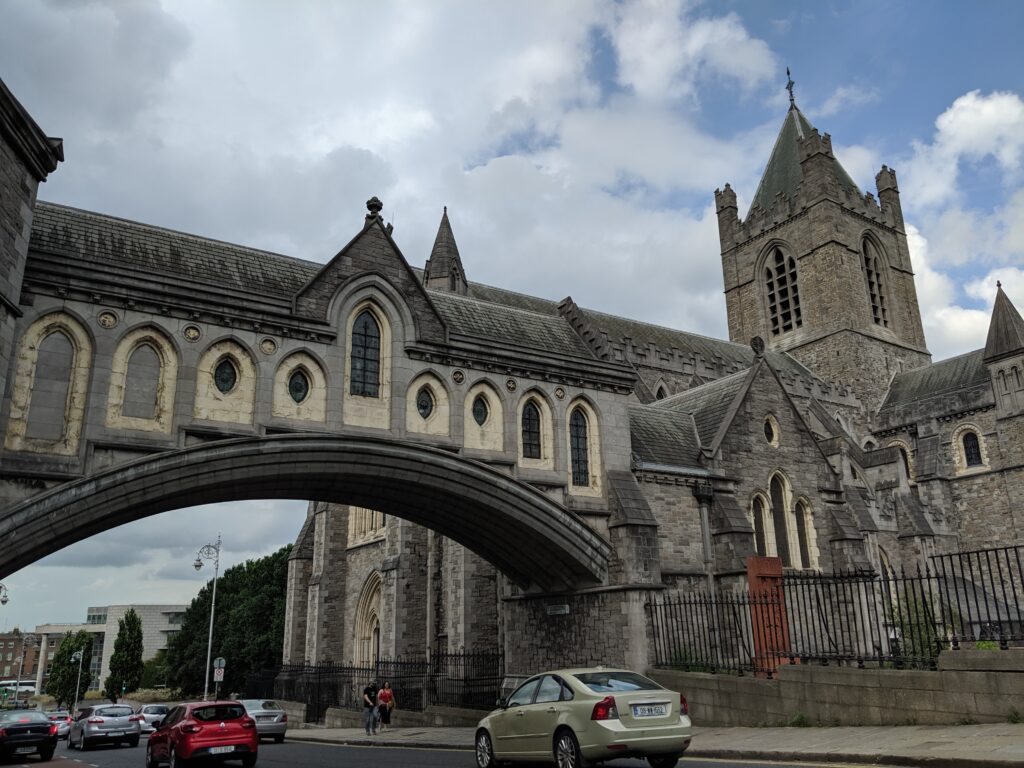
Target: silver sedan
[{"x": 271, "y": 720}]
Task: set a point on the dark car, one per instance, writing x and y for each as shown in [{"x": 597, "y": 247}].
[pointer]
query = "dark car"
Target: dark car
[
  {"x": 204, "y": 731},
  {"x": 27, "y": 732}
]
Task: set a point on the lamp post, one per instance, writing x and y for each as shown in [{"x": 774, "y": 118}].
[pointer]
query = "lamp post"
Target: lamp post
[
  {"x": 3, "y": 594},
  {"x": 26, "y": 640},
  {"x": 77, "y": 656},
  {"x": 209, "y": 552}
]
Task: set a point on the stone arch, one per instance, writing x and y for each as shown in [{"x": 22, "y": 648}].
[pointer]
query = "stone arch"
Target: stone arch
[
  {"x": 764, "y": 532},
  {"x": 906, "y": 456},
  {"x": 546, "y": 460},
  {"x": 366, "y": 640},
  {"x": 779, "y": 280},
  {"x": 970, "y": 452},
  {"x": 874, "y": 265},
  {"x": 24, "y": 393},
  {"x": 236, "y": 405},
  {"x": 361, "y": 410},
  {"x": 477, "y": 506},
  {"x": 806, "y": 533},
  {"x": 438, "y": 421},
  {"x": 123, "y": 372},
  {"x": 490, "y": 435},
  {"x": 314, "y": 406},
  {"x": 595, "y": 474}
]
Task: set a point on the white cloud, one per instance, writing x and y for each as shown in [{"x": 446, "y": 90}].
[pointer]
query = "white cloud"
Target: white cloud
[
  {"x": 862, "y": 163},
  {"x": 846, "y": 97}
]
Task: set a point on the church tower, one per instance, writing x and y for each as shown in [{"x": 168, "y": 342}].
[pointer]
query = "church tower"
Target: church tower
[{"x": 820, "y": 270}]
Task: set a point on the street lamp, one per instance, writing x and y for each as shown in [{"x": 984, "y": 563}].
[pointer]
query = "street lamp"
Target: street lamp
[
  {"x": 3, "y": 594},
  {"x": 77, "y": 656},
  {"x": 26, "y": 640},
  {"x": 209, "y": 552}
]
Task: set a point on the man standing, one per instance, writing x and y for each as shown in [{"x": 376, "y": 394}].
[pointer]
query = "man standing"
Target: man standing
[{"x": 370, "y": 708}]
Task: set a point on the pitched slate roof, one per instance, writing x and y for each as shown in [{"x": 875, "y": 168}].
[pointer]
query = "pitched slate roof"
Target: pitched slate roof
[
  {"x": 483, "y": 319},
  {"x": 708, "y": 404},
  {"x": 664, "y": 437},
  {"x": 783, "y": 173},
  {"x": 956, "y": 373},
  {"x": 1005, "y": 331},
  {"x": 445, "y": 252},
  {"x": 118, "y": 242}
]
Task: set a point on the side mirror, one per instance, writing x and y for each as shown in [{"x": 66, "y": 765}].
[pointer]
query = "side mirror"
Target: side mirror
[{"x": 500, "y": 703}]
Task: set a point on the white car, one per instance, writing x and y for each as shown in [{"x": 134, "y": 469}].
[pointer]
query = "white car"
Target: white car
[{"x": 151, "y": 713}]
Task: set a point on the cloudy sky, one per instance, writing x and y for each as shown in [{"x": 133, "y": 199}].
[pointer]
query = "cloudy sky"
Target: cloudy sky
[{"x": 576, "y": 144}]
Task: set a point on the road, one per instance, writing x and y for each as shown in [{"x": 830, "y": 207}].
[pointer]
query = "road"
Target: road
[{"x": 291, "y": 754}]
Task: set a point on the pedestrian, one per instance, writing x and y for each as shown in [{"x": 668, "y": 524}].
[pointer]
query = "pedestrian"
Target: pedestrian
[
  {"x": 385, "y": 703},
  {"x": 370, "y": 708}
]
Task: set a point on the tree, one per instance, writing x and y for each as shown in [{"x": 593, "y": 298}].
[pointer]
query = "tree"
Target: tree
[
  {"x": 64, "y": 680},
  {"x": 248, "y": 628},
  {"x": 126, "y": 662},
  {"x": 155, "y": 671}
]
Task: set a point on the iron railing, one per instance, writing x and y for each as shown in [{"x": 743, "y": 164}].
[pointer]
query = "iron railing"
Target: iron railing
[
  {"x": 855, "y": 618},
  {"x": 468, "y": 679}
]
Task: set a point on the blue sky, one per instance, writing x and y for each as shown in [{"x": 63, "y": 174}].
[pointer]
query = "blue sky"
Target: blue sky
[{"x": 576, "y": 144}]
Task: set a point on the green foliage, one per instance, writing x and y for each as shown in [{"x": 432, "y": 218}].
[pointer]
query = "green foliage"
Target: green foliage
[
  {"x": 155, "y": 672},
  {"x": 126, "y": 662},
  {"x": 1014, "y": 717},
  {"x": 63, "y": 678},
  {"x": 986, "y": 645},
  {"x": 155, "y": 695},
  {"x": 915, "y": 621},
  {"x": 248, "y": 627},
  {"x": 799, "y": 720}
]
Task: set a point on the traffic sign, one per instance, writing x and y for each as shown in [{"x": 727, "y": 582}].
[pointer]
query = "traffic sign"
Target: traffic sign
[
  {"x": 219, "y": 663},
  {"x": 218, "y": 675}
]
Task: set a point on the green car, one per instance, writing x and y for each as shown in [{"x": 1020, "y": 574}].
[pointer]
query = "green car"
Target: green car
[{"x": 583, "y": 716}]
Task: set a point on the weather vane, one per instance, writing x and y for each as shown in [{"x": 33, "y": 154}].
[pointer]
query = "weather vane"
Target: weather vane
[{"x": 789, "y": 87}]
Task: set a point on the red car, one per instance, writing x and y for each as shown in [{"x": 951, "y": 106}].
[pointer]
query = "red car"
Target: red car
[{"x": 202, "y": 732}]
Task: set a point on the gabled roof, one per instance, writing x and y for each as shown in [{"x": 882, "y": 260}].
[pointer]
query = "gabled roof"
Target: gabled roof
[
  {"x": 783, "y": 173},
  {"x": 1005, "y": 331},
  {"x": 663, "y": 437},
  {"x": 956, "y": 373},
  {"x": 709, "y": 404}
]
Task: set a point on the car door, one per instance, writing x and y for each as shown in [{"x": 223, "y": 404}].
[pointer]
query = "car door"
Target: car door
[
  {"x": 509, "y": 728},
  {"x": 540, "y": 717},
  {"x": 160, "y": 738}
]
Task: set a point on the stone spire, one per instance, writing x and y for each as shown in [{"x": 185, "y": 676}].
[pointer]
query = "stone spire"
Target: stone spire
[
  {"x": 1006, "y": 331},
  {"x": 444, "y": 267}
]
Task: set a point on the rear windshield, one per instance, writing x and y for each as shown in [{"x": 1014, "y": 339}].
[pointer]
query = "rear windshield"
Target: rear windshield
[
  {"x": 609, "y": 682},
  {"x": 252, "y": 704},
  {"x": 159, "y": 710},
  {"x": 219, "y": 712},
  {"x": 23, "y": 716},
  {"x": 115, "y": 712}
]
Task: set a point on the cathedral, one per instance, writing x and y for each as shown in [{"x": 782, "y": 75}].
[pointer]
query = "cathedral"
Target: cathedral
[{"x": 820, "y": 433}]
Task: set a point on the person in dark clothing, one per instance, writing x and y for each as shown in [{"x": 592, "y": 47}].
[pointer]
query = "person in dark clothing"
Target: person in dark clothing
[{"x": 370, "y": 708}]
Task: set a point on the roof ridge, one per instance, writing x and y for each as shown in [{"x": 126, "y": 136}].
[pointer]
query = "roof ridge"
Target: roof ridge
[
  {"x": 736, "y": 344},
  {"x": 459, "y": 297}
]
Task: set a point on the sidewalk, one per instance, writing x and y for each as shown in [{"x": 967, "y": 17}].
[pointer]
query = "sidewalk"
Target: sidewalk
[{"x": 962, "y": 746}]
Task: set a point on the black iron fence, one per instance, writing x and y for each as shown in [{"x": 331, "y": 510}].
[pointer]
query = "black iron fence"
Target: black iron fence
[
  {"x": 470, "y": 680},
  {"x": 857, "y": 618}
]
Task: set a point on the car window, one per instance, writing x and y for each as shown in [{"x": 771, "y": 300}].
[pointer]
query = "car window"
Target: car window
[
  {"x": 550, "y": 690},
  {"x": 254, "y": 704},
  {"x": 155, "y": 710},
  {"x": 84, "y": 713},
  {"x": 115, "y": 711},
  {"x": 23, "y": 716},
  {"x": 567, "y": 694},
  {"x": 524, "y": 694},
  {"x": 173, "y": 717},
  {"x": 611, "y": 681},
  {"x": 218, "y": 712},
  {"x": 269, "y": 705}
]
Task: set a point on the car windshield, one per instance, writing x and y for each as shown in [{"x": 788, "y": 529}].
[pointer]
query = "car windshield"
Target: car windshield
[
  {"x": 609, "y": 682},
  {"x": 114, "y": 712},
  {"x": 252, "y": 704},
  {"x": 219, "y": 712},
  {"x": 155, "y": 710},
  {"x": 23, "y": 716}
]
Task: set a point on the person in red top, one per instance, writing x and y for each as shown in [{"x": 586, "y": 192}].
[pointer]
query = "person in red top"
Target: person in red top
[{"x": 385, "y": 703}]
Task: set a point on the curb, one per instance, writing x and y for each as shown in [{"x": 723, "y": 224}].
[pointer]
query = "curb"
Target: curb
[
  {"x": 371, "y": 742},
  {"x": 852, "y": 757}
]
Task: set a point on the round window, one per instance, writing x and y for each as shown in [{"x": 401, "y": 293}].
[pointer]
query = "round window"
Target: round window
[
  {"x": 425, "y": 402},
  {"x": 298, "y": 386},
  {"x": 771, "y": 431},
  {"x": 480, "y": 410},
  {"x": 225, "y": 375}
]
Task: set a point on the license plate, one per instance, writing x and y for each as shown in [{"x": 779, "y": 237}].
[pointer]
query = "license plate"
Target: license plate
[
  {"x": 24, "y": 750},
  {"x": 115, "y": 733},
  {"x": 264, "y": 718},
  {"x": 221, "y": 750},
  {"x": 649, "y": 710}
]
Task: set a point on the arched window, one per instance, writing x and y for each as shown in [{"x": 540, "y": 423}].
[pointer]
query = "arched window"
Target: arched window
[
  {"x": 298, "y": 385},
  {"x": 531, "y": 431},
  {"x": 47, "y": 412},
  {"x": 778, "y": 494},
  {"x": 760, "y": 543},
  {"x": 872, "y": 264},
  {"x": 480, "y": 410},
  {"x": 803, "y": 534},
  {"x": 661, "y": 393},
  {"x": 142, "y": 382},
  {"x": 365, "y": 378},
  {"x": 579, "y": 448},
  {"x": 972, "y": 450},
  {"x": 425, "y": 402},
  {"x": 783, "y": 293},
  {"x": 225, "y": 375},
  {"x": 906, "y": 461},
  {"x": 368, "y": 622}
]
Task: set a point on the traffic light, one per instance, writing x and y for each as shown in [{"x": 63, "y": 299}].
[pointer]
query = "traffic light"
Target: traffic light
[{"x": 124, "y": 687}]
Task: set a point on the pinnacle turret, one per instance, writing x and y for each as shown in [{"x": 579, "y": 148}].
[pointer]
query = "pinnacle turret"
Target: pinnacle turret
[{"x": 444, "y": 270}]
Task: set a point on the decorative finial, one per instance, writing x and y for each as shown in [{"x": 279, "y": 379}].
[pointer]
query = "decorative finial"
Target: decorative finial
[
  {"x": 789, "y": 87},
  {"x": 374, "y": 206},
  {"x": 446, "y": 210},
  {"x": 999, "y": 284}
]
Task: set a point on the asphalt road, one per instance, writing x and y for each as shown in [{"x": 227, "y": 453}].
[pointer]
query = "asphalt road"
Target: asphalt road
[{"x": 291, "y": 754}]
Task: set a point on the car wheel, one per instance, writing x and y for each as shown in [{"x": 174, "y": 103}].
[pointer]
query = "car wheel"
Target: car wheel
[
  {"x": 484, "y": 750},
  {"x": 83, "y": 744},
  {"x": 279, "y": 739},
  {"x": 150, "y": 761},
  {"x": 567, "y": 750},
  {"x": 663, "y": 761},
  {"x": 176, "y": 762},
  {"x": 45, "y": 755},
  {"x": 248, "y": 761},
  {"x": 133, "y": 742}
]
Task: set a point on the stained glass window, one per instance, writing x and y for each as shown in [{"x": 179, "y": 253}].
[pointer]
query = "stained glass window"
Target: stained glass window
[
  {"x": 531, "y": 431},
  {"x": 578, "y": 448},
  {"x": 365, "y": 379}
]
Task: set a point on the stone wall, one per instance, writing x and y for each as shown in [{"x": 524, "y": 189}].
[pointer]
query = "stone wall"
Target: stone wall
[{"x": 971, "y": 686}]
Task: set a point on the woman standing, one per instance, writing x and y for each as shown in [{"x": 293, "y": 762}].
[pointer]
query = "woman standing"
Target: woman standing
[{"x": 385, "y": 703}]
